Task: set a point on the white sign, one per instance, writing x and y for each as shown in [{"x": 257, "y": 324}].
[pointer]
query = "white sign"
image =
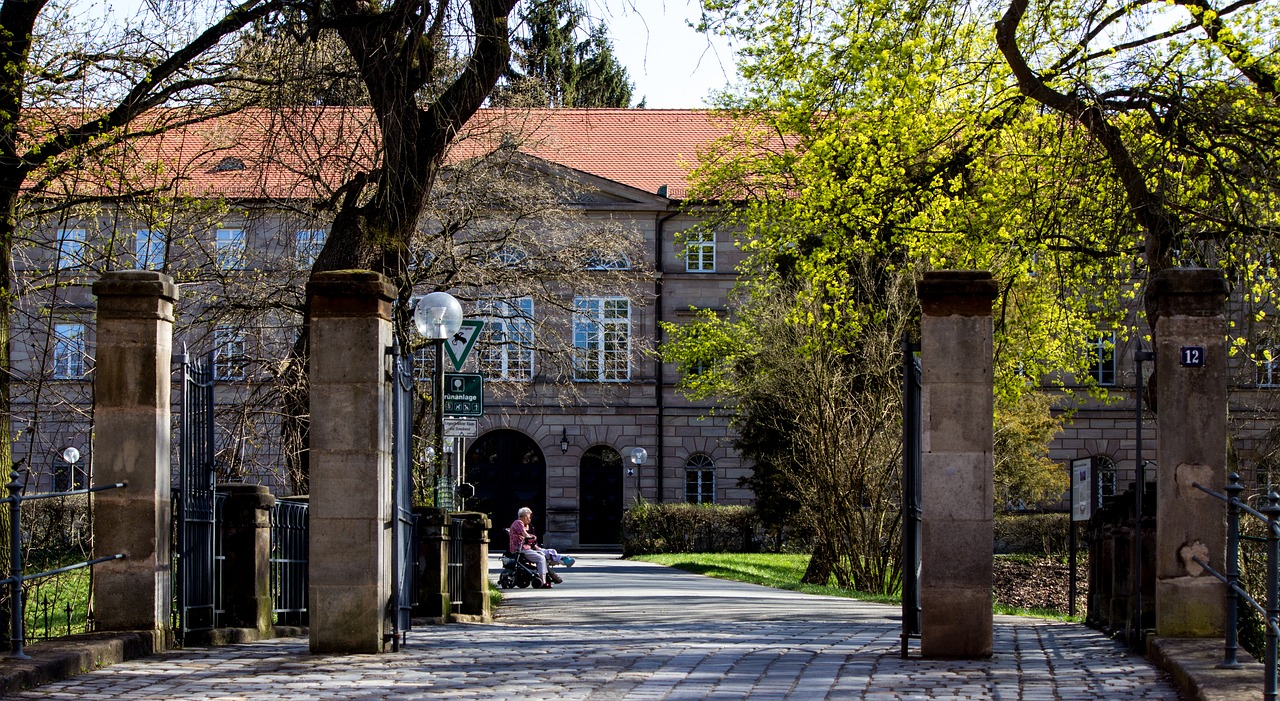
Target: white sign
[
  {"x": 1081, "y": 489},
  {"x": 462, "y": 341},
  {"x": 461, "y": 427}
]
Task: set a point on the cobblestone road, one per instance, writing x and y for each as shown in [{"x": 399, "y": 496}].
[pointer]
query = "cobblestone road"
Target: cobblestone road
[{"x": 623, "y": 630}]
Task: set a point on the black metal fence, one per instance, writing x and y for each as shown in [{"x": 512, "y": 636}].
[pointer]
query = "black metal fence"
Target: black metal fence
[
  {"x": 17, "y": 577},
  {"x": 911, "y": 512},
  {"x": 457, "y": 565},
  {"x": 1269, "y": 514},
  {"x": 289, "y": 562}
]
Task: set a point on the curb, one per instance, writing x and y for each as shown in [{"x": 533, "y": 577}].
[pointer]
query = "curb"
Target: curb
[{"x": 1193, "y": 664}]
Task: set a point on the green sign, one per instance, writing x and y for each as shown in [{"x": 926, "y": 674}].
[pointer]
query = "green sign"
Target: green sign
[{"x": 463, "y": 394}]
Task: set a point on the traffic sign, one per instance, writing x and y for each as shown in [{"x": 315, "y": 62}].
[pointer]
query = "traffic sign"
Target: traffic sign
[
  {"x": 463, "y": 427},
  {"x": 462, "y": 341},
  {"x": 463, "y": 394}
]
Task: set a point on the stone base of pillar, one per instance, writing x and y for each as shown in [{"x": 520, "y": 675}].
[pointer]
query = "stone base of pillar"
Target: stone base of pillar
[
  {"x": 1190, "y": 607},
  {"x": 433, "y": 565}
]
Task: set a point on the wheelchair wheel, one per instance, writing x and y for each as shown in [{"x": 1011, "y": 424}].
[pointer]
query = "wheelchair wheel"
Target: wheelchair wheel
[
  {"x": 522, "y": 579},
  {"x": 505, "y": 580}
]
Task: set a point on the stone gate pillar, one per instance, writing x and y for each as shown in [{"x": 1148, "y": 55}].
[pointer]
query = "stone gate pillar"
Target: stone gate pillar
[
  {"x": 350, "y": 536},
  {"x": 132, "y": 428},
  {"x": 1191, "y": 414},
  {"x": 957, "y": 395}
]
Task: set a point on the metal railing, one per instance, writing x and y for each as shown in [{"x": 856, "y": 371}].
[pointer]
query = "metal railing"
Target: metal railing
[
  {"x": 289, "y": 562},
  {"x": 16, "y": 578},
  {"x": 1269, "y": 513}
]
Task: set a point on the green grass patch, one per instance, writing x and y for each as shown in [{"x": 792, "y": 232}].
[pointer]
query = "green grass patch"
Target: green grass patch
[
  {"x": 56, "y": 605},
  {"x": 777, "y": 570},
  {"x": 1051, "y": 614}
]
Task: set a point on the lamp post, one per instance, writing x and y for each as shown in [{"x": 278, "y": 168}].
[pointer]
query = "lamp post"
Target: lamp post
[
  {"x": 71, "y": 455},
  {"x": 638, "y": 456},
  {"x": 437, "y": 317}
]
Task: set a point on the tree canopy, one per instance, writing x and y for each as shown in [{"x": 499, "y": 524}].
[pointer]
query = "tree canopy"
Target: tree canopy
[{"x": 561, "y": 58}]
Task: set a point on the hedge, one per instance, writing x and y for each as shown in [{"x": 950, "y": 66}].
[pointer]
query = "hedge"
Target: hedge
[{"x": 686, "y": 528}]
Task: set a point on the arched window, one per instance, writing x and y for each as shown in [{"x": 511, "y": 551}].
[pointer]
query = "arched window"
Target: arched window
[
  {"x": 700, "y": 480},
  {"x": 1106, "y": 468}
]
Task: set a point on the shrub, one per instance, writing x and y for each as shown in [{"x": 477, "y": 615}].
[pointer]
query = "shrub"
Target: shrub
[
  {"x": 1032, "y": 534},
  {"x": 687, "y": 528}
]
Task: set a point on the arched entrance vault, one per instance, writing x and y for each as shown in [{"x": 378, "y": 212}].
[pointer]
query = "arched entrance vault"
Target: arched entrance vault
[{"x": 509, "y": 471}]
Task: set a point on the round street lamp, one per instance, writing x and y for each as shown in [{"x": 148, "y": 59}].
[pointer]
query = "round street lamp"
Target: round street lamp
[
  {"x": 638, "y": 456},
  {"x": 437, "y": 317}
]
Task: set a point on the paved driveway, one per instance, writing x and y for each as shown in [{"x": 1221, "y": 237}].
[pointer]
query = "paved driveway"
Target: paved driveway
[{"x": 624, "y": 630}]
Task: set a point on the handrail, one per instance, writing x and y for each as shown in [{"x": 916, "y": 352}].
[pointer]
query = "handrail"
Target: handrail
[
  {"x": 1269, "y": 513},
  {"x": 16, "y": 577}
]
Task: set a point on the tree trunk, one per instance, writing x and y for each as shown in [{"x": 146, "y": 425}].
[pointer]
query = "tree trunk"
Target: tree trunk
[{"x": 821, "y": 564}]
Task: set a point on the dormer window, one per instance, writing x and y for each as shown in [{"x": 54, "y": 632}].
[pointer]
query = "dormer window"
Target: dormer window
[{"x": 228, "y": 164}]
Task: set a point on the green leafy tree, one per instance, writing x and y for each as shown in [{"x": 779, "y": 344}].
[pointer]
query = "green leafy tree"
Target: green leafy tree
[{"x": 561, "y": 59}]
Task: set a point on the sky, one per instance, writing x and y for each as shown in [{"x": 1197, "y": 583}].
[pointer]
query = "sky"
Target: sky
[{"x": 672, "y": 65}]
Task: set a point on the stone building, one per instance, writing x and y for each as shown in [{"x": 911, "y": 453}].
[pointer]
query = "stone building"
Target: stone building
[
  {"x": 573, "y": 387},
  {"x": 233, "y": 208}
]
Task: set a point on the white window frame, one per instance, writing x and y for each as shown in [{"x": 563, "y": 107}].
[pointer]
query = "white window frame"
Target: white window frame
[
  {"x": 230, "y": 249},
  {"x": 599, "y": 261},
  {"x": 1268, "y": 371},
  {"x": 70, "y": 248},
  {"x": 230, "y": 354},
  {"x": 424, "y": 361},
  {"x": 307, "y": 244},
  {"x": 505, "y": 349},
  {"x": 602, "y": 339},
  {"x": 1102, "y": 359},
  {"x": 69, "y": 351},
  {"x": 149, "y": 249},
  {"x": 700, "y": 252},
  {"x": 702, "y": 468}
]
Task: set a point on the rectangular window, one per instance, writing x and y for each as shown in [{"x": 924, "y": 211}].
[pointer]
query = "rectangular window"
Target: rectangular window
[
  {"x": 149, "y": 249},
  {"x": 505, "y": 348},
  {"x": 70, "y": 248},
  {"x": 1268, "y": 364},
  {"x": 1102, "y": 357},
  {"x": 602, "y": 339},
  {"x": 230, "y": 354},
  {"x": 700, "y": 252},
  {"x": 700, "y": 486},
  {"x": 68, "y": 351},
  {"x": 230, "y": 249},
  {"x": 307, "y": 244}
]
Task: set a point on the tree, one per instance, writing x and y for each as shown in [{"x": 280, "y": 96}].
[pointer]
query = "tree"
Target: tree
[
  {"x": 553, "y": 67},
  {"x": 820, "y": 421},
  {"x": 72, "y": 90}
]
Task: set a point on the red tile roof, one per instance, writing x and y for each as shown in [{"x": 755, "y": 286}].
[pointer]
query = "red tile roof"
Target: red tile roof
[{"x": 306, "y": 153}]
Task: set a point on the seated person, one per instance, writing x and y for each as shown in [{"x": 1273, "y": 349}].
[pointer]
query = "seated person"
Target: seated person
[{"x": 523, "y": 541}]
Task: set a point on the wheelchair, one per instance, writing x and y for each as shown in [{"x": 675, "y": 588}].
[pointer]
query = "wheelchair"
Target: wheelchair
[{"x": 517, "y": 571}]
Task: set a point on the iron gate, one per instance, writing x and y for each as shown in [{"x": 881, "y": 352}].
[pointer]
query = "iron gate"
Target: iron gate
[
  {"x": 911, "y": 540},
  {"x": 198, "y": 595},
  {"x": 403, "y": 549}
]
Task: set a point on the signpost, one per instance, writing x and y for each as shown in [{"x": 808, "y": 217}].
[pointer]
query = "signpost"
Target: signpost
[
  {"x": 461, "y": 427},
  {"x": 463, "y": 394},
  {"x": 1082, "y": 497}
]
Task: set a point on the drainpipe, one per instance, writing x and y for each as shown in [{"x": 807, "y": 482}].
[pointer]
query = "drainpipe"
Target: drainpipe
[{"x": 659, "y": 261}]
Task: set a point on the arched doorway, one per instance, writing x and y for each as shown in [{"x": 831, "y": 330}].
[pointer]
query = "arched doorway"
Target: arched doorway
[
  {"x": 600, "y": 497},
  {"x": 508, "y": 471}
]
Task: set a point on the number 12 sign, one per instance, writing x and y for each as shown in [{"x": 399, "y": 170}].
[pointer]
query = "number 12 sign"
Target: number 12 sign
[{"x": 1191, "y": 357}]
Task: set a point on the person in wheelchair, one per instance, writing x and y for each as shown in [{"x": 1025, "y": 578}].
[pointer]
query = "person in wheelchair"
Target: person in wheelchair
[{"x": 524, "y": 543}]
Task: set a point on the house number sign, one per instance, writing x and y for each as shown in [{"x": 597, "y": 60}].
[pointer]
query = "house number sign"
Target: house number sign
[{"x": 1192, "y": 357}]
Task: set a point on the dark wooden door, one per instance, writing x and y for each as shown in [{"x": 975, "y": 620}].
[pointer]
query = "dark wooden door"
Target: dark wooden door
[
  {"x": 509, "y": 472},
  {"x": 600, "y": 497}
]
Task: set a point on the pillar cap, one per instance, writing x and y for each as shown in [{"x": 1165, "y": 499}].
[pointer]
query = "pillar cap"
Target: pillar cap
[
  {"x": 136, "y": 283},
  {"x": 1187, "y": 292},
  {"x": 347, "y": 293},
  {"x": 957, "y": 292}
]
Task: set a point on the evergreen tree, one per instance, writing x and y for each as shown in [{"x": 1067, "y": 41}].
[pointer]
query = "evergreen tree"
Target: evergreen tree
[{"x": 552, "y": 67}]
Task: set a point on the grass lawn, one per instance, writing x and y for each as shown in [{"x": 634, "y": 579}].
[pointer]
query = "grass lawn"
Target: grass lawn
[{"x": 783, "y": 571}]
